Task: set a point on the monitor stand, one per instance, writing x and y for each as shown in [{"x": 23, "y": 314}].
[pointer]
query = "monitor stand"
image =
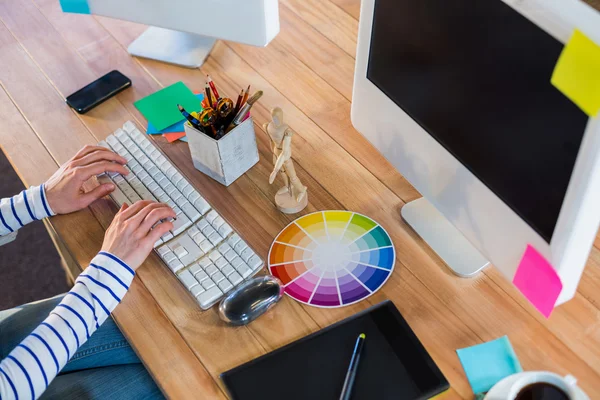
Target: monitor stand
[
  {"x": 174, "y": 47},
  {"x": 447, "y": 241}
]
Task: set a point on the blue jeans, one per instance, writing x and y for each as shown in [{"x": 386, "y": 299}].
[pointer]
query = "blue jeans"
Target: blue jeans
[{"x": 105, "y": 367}]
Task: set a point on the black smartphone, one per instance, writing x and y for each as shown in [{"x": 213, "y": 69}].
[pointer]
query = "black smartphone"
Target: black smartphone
[{"x": 98, "y": 91}]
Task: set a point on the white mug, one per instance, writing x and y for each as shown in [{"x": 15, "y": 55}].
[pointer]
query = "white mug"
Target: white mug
[{"x": 509, "y": 387}]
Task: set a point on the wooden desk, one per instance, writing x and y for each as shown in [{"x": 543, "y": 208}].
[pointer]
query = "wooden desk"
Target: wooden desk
[{"x": 308, "y": 71}]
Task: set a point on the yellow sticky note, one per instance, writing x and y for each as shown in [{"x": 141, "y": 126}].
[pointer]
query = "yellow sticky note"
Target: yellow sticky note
[{"x": 577, "y": 73}]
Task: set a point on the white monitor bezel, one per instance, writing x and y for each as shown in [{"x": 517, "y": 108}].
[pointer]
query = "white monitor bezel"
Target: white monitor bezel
[{"x": 493, "y": 227}]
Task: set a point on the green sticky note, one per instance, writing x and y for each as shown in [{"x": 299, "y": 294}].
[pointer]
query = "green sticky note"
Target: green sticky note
[
  {"x": 75, "y": 6},
  {"x": 160, "y": 108},
  {"x": 577, "y": 73}
]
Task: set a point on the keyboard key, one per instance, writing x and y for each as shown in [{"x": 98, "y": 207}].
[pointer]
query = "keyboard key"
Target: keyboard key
[
  {"x": 180, "y": 224},
  {"x": 207, "y": 284},
  {"x": 209, "y": 297},
  {"x": 169, "y": 188},
  {"x": 204, "y": 262},
  {"x": 218, "y": 222},
  {"x": 211, "y": 216},
  {"x": 187, "y": 191},
  {"x": 199, "y": 238},
  {"x": 208, "y": 230},
  {"x": 201, "y": 205},
  {"x": 128, "y": 127},
  {"x": 179, "y": 250},
  {"x": 244, "y": 270},
  {"x": 201, "y": 276},
  {"x": 170, "y": 256},
  {"x": 246, "y": 254},
  {"x": 215, "y": 238},
  {"x": 236, "y": 262},
  {"x": 224, "y": 230},
  {"x": 235, "y": 278},
  {"x": 225, "y": 285},
  {"x": 117, "y": 195},
  {"x": 187, "y": 279},
  {"x": 227, "y": 270},
  {"x": 214, "y": 256},
  {"x": 194, "y": 268},
  {"x": 182, "y": 184},
  {"x": 254, "y": 262},
  {"x": 240, "y": 247},
  {"x": 206, "y": 246},
  {"x": 170, "y": 172},
  {"x": 193, "y": 196},
  {"x": 230, "y": 255},
  {"x": 190, "y": 211},
  {"x": 177, "y": 197},
  {"x": 197, "y": 290},
  {"x": 175, "y": 265},
  {"x": 234, "y": 239},
  {"x": 202, "y": 224},
  {"x": 221, "y": 262},
  {"x": 167, "y": 236},
  {"x": 163, "y": 250},
  {"x": 211, "y": 270},
  {"x": 224, "y": 248},
  {"x": 218, "y": 277},
  {"x": 193, "y": 231}
]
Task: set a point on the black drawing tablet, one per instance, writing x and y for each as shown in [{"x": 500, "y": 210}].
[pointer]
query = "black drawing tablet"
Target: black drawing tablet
[{"x": 393, "y": 365}]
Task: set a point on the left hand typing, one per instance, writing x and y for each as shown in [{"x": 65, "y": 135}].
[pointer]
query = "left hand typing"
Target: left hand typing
[{"x": 64, "y": 189}]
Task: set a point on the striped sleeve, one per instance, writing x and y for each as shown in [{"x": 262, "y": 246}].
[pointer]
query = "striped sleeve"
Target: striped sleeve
[
  {"x": 32, "y": 365},
  {"x": 17, "y": 211}
]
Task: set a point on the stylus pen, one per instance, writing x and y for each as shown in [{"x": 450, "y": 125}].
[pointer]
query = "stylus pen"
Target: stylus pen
[{"x": 352, "y": 368}]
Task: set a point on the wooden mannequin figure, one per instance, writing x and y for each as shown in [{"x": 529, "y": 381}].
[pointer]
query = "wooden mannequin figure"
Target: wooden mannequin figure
[{"x": 293, "y": 197}]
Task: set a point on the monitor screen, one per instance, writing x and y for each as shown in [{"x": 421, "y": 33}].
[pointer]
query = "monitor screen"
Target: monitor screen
[{"x": 475, "y": 74}]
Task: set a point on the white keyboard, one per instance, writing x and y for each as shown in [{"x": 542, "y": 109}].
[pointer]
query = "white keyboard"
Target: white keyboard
[{"x": 202, "y": 250}]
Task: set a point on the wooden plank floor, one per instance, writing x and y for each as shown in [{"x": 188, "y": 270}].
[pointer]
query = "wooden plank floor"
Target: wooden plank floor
[{"x": 307, "y": 70}]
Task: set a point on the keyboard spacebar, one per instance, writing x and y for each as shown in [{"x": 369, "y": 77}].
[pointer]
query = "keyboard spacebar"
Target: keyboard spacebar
[{"x": 117, "y": 195}]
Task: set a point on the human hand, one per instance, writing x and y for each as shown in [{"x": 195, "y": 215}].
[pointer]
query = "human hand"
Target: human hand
[
  {"x": 64, "y": 189},
  {"x": 132, "y": 234}
]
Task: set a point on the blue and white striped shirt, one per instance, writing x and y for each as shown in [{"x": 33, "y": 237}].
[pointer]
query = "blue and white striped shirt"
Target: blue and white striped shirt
[{"x": 32, "y": 365}]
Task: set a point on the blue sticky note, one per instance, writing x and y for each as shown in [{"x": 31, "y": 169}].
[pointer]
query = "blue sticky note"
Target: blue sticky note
[
  {"x": 177, "y": 127},
  {"x": 184, "y": 139},
  {"x": 75, "y": 6},
  {"x": 487, "y": 363}
]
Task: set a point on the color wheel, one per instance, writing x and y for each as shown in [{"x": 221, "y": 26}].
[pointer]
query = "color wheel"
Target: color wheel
[{"x": 332, "y": 258}]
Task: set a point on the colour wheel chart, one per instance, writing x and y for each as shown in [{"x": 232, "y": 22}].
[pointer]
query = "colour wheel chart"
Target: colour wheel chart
[{"x": 332, "y": 258}]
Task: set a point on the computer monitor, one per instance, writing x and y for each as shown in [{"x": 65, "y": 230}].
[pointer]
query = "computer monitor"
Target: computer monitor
[
  {"x": 457, "y": 96},
  {"x": 183, "y": 32}
]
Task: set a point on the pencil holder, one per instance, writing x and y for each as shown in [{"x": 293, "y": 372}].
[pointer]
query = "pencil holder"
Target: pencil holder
[{"x": 225, "y": 159}]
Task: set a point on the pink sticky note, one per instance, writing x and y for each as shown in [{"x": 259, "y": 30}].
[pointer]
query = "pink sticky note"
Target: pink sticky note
[{"x": 538, "y": 281}]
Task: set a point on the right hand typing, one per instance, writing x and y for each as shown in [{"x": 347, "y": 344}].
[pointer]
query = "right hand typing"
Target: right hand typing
[{"x": 131, "y": 237}]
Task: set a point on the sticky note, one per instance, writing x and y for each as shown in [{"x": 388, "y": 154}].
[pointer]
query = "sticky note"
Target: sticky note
[
  {"x": 487, "y": 363},
  {"x": 184, "y": 139},
  {"x": 577, "y": 73},
  {"x": 171, "y": 137},
  {"x": 538, "y": 281},
  {"x": 160, "y": 108},
  {"x": 178, "y": 127},
  {"x": 75, "y": 6}
]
